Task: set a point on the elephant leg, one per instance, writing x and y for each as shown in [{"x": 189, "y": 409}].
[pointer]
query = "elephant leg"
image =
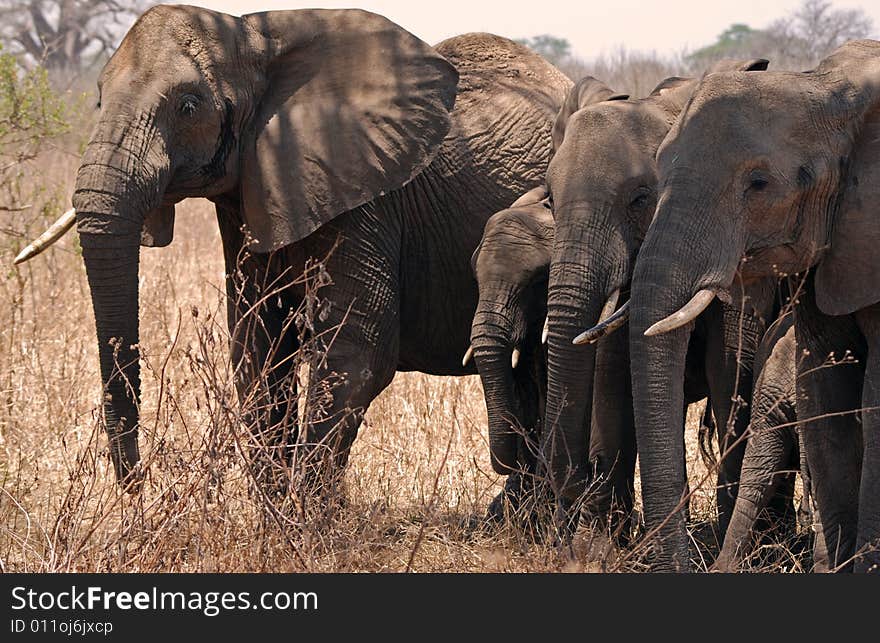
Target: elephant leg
[
  {"x": 732, "y": 341},
  {"x": 821, "y": 563},
  {"x": 868, "y": 539},
  {"x": 613, "y": 437},
  {"x": 765, "y": 476},
  {"x": 263, "y": 344},
  {"x": 828, "y": 394},
  {"x": 356, "y": 340}
]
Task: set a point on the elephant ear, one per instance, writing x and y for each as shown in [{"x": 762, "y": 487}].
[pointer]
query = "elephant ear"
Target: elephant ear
[
  {"x": 352, "y": 107},
  {"x": 674, "y": 92},
  {"x": 848, "y": 274},
  {"x": 670, "y": 84},
  {"x": 732, "y": 64},
  {"x": 158, "y": 227},
  {"x": 586, "y": 91},
  {"x": 535, "y": 195}
]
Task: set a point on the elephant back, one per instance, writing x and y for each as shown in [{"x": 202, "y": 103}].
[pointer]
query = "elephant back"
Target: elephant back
[{"x": 508, "y": 97}]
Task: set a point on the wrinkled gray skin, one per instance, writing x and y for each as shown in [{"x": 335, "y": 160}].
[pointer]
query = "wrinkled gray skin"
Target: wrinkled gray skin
[
  {"x": 511, "y": 265},
  {"x": 773, "y": 455},
  {"x": 603, "y": 183},
  {"x": 303, "y": 126},
  {"x": 768, "y": 173}
]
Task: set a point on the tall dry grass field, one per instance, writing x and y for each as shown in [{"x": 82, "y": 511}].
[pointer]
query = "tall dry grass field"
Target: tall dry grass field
[{"x": 412, "y": 498}]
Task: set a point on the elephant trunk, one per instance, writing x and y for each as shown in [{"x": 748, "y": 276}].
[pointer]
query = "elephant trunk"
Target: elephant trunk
[
  {"x": 578, "y": 287},
  {"x": 491, "y": 339},
  {"x": 115, "y": 187},
  {"x": 658, "y": 406},
  {"x": 662, "y": 284}
]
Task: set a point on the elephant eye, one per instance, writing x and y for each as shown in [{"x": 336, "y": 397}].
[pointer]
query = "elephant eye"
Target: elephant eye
[
  {"x": 640, "y": 200},
  {"x": 757, "y": 182},
  {"x": 188, "y": 104}
]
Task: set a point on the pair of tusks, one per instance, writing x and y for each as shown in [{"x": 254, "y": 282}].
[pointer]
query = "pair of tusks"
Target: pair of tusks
[
  {"x": 679, "y": 318},
  {"x": 609, "y": 321},
  {"x": 469, "y": 353},
  {"x": 605, "y": 327},
  {"x": 605, "y": 317},
  {"x": 51, "y": 235}
]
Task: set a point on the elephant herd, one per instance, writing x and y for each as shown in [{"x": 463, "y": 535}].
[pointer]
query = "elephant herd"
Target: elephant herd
[{"x": 601, "y": 260}]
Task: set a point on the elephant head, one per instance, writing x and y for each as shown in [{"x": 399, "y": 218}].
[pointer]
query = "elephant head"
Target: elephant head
[
  {"x": 293, "y": 116},
  {"x": 602, "y": 181},
  {"x": 511, "y": 265},
  {"x": 763, "y": 174}
]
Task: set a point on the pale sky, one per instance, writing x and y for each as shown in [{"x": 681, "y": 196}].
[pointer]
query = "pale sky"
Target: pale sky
[{"x": 592, "y": 27}]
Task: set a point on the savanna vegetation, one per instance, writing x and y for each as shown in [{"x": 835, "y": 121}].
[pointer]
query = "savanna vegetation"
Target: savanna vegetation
[{"x": 419, "y": 479}]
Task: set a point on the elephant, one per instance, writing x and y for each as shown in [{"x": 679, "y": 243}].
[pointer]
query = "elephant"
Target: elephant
[
  {"x": 773, "y": 455},
  {"x": 603, "y": 185},
  {"x": 320, "y": 135},
  {"x": 511, "y": 266},
  {"x": 762, "y": 175}
]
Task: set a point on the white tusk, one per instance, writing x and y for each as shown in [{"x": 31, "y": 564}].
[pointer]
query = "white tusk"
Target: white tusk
[
  {"x": 469, "y": 353},
  {"x": 683, "y": 315},
  {"x": 597, "y": 332},
  {"x": 610, "y": 305},
  {"x": 514, "y": 358},
  {"x": 51, "y": 235},
  {"x": 546, "y": 332}
]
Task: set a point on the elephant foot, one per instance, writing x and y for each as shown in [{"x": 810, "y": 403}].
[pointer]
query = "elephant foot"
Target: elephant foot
[{"x": 522, "y": 504}]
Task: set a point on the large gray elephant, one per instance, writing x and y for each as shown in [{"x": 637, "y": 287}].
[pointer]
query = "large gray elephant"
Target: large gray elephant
[
  {"x": 766, "y": 174},
  {"x": 317, "y": 134},
  {"x": 603, "y": 184}
]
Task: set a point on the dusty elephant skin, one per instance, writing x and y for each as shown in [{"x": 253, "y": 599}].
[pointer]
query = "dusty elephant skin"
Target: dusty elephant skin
[
  {"x": 511, "y": 266},
  {"x": 766, "y": 174},
  {"x": 603, "y": 183},
  {"x": 314, "y": 130},
  {"x": 773, "y": 454}
]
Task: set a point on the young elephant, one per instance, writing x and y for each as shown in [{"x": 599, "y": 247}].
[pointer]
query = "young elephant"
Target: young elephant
[
  {"x": 773, "y": 454},
  {"x": 766, "y": 174},
  {"x": 603, "y": 184},
  {"x": 511, "y": 266}
]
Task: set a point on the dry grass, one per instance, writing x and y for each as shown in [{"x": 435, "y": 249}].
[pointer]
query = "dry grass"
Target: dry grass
[{"x": 416, "y": 489}]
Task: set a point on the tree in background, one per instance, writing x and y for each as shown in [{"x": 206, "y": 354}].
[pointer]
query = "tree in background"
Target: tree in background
[
  {"x": 31, "y": 113},
  {"x": 65, "y": 36},
  {"x": 797, "y": 41},
  {"x": 556, "y": 50},
  {"x": 815, "y": 29}
]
